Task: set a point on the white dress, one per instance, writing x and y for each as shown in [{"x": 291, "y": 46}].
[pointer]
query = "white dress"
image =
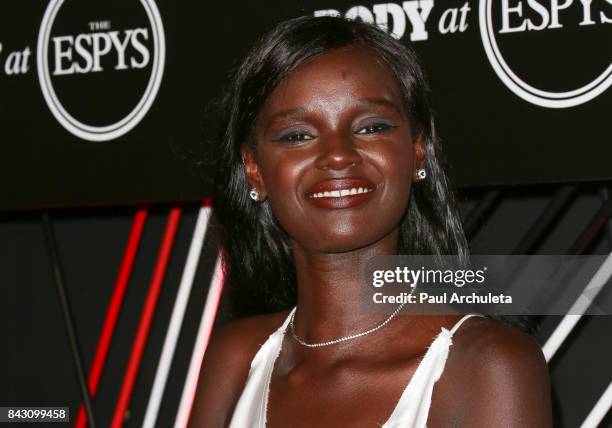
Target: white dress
[{"x": 411, "y": 410}]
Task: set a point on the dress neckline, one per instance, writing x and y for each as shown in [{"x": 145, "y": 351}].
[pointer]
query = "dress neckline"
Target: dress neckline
[{"x": 445, "y": 335}]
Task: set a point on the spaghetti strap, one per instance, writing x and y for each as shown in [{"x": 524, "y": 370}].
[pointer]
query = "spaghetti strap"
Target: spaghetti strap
[
  {"x": 250, "y": 411},
  {"x": 411, "y": 410},
  {"x": 458, "y": 323}
]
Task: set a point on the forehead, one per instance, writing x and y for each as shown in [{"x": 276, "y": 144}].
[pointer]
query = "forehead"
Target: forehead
[{"x": 354, "y": 72}]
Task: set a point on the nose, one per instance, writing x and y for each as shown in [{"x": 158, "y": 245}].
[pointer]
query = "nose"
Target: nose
[{"x": 337, "y": 152}]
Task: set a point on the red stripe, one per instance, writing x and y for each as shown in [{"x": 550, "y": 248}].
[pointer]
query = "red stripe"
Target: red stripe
[
  {"x": 146, "y": 318},
  {"x": 112, "y": 313}
]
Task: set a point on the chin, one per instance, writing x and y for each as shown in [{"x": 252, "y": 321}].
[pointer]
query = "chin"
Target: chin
[{"x": 344, "y": 243}]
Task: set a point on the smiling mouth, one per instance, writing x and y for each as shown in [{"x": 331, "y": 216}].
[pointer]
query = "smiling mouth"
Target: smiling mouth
[{"x": 338, "y": 193}]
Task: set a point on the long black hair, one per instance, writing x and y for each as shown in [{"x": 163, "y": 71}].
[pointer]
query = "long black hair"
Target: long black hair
[{"x": 259, "y": 264}]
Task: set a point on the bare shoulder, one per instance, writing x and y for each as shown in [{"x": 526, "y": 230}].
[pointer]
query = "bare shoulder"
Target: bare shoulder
[
  {"x": 505, "y": 376},
  {"x": 499, "y": 345},
  {"x": 226, "y": 365}
]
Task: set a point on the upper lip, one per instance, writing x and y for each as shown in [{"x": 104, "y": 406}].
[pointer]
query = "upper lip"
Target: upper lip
[{"x": 340, "y": 184}]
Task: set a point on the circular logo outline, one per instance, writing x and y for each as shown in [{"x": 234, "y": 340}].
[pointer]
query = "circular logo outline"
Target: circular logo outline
[
  {"x": 123, "y": 126},
  {"x": 527, "y": 92}
]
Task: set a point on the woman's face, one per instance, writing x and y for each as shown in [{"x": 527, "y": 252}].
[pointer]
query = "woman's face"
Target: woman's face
[{"x": 335, "y": 155}]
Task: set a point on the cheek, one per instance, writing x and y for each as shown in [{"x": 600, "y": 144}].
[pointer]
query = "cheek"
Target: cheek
[
  {"x": 280, "y": 175},
  {"x": 404, "y": 168},
  {"x": 397, "y": 163},
  {"x": 281, "y": 178}
]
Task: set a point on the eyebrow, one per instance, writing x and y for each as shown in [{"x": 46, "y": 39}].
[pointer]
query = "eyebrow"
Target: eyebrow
[
  {"x": 298, "y": 111},
  {"x": 380, "y": 102}
]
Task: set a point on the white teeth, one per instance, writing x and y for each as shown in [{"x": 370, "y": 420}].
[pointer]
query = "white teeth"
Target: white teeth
[{"x": 340, "y": 193}]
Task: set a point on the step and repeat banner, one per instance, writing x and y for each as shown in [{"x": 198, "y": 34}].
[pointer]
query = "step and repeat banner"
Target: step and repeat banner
[{"x": 107, "y": 102}]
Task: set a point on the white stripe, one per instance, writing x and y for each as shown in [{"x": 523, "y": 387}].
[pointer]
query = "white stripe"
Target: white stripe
[
  {"x": 204, "y": 331},
  {"x": 578, "y": 309},
  {"x": 176, "y": 320},
  {"x": 600, "y": 410}
]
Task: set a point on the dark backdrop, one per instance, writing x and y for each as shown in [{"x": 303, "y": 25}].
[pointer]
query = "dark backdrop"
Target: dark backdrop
[{"x": 492, "y": 132}]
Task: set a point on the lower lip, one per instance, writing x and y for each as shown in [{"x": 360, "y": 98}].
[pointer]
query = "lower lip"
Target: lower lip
[{"x": 347, "y": 201}]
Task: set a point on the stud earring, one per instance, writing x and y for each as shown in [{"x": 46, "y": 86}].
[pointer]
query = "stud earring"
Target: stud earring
[
  {"x": 254, "y": 194},
  {"x": 421, "y": 174}
]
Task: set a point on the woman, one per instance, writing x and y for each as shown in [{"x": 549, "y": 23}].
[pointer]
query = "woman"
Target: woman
[{"x": 329, "y": 158}]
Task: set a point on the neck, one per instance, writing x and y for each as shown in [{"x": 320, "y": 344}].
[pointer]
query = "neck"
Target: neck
[{"x": 331, "y": 289}]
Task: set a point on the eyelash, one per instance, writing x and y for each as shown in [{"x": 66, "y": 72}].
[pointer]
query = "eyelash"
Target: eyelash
[
  {"x": 300, "y": 136},
  {"x": 375, "y": 128},
  {"x": 294, "y": 137}
]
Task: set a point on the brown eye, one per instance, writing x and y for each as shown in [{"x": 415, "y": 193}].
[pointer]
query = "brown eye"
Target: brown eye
[
  {"x": 375, "y": 128},
  {"x": 294, "y": 137}
]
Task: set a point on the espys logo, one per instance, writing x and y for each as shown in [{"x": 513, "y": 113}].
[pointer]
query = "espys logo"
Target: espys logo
[
  {"x": 100, "y": 64},
  {"x": 551, "y": 53},
  {"x": 551, "y": 16}
]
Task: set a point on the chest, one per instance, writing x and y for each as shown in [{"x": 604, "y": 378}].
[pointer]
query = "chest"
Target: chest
[{"x": 340, "y": 396}]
